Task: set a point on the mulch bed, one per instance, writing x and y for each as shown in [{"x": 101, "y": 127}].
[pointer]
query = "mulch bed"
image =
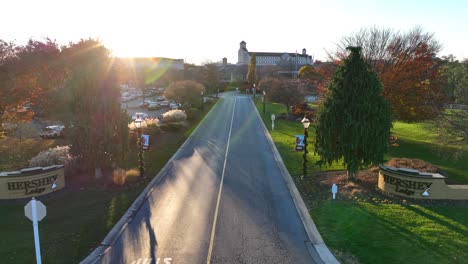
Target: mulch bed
[{"x": 317, "y": 187}]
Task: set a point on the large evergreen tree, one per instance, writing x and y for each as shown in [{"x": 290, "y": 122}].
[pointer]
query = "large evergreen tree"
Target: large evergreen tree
[
  {"x": 252, "y": 72},
  {"x": 354, "y": 121}
]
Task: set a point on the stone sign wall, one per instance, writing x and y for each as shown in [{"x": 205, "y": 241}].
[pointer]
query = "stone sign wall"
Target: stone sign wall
[
  {"x": 31, "y": 182},
  {"x": 420, "y": 185}
]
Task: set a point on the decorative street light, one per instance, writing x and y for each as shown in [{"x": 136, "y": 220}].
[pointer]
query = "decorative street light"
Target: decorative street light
[
  {"x": 264, "y": 98},
  {"x": 202, "y": 101},
  {"x": 305, "y": 123},
  {"x": 254, "y": 91},
  {"x": 138, "y": 121}
]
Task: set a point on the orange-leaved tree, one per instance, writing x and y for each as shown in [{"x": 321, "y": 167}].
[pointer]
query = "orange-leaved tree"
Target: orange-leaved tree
[{"x": 407, "y": 67}]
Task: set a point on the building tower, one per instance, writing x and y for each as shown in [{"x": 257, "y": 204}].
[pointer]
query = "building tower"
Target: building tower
[{"x": 243, "y": 54}]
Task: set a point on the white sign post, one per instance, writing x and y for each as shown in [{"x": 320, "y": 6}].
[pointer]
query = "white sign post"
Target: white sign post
[
  {"x": 36, "y": 211},
  {"x": 334, "y": 190},
  {"x": 273, "y": 117}
]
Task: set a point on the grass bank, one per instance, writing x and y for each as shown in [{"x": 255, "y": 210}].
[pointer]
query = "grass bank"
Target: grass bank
[
  {"x": 77, "y": 220},
  {"x": 381, "y": 232}
]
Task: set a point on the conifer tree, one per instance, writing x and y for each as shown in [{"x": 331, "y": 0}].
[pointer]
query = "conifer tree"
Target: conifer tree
[{"x": 354, "y": 121}]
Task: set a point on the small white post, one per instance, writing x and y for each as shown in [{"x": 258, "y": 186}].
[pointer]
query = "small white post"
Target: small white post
[
  {"x": 334, "y": 190},
  {"x": 273, "y": 117},
  {"x": 36, "y": 231}
]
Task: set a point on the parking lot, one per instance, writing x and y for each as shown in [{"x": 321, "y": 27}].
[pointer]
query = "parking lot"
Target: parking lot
[{"x": 133, "y": 107}]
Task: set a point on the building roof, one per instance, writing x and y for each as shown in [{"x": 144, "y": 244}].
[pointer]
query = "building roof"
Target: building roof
[
  {"x": 242, "y": 42},
  {"x": 277, "y": 54}
]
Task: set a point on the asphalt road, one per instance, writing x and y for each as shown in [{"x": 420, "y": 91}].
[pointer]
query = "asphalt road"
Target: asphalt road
[{"x": 222, "y": 200}]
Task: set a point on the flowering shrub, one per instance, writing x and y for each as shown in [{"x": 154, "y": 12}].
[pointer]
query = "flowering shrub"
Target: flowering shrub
[
  {"x": 148, "y": 122},
  {"x": 54, "y": 156},
  {"x": 174, "y": 116},
  {"x": 118, "y": 176}
]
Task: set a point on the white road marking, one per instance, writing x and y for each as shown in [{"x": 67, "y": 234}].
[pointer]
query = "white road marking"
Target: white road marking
[{"x": 213, "y": 230}]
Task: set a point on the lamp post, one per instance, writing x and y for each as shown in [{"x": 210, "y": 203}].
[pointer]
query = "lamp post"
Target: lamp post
[
  {"x": 305, "y": 122},
  {"x": 138, "y": 122},
  {"x": 254, "y": 91},
  {"x": 201, "y": 106},
  {"x": 264, "y": 98}
]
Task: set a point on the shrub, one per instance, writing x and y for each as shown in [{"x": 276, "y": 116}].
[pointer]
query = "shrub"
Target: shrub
[
  {"x": 152, "y": 126},
  {"x": 132, "y": 175},
  {"x": 174, "y": 116},
  {"x": 193, "y": 114},
  {"x": 121, "y": 177},
  {"x": 54, "y": 156},
  {"x": 118, "y": 176},
  {"x": 148, "y": 122},
  {"x": 171, "y": 126},
  {"x": 301, "y": 110}
]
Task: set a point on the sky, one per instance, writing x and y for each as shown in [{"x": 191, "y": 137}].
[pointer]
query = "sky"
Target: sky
[{"x": 201, "y": 31}]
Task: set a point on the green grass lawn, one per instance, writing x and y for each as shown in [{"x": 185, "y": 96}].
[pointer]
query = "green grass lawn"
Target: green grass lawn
[
  {"x": 75, "y": 223},
  {"x": 380, "y": 232},
  {"x": 78, "y": 220},
  {"x": 393, "y": 233},
  {"x": 284, "y": 138},
  {"x": 420, "y": 141}
]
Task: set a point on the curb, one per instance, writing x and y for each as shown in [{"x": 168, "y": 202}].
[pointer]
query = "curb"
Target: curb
[
  {"x": 122, "y": 224},
  {"x": 317, "y": 242}
]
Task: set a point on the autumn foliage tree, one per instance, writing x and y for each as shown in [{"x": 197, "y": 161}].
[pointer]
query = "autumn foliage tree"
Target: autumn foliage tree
[
  {"x": 354, "y": 120},
  {"x": 252, "y": 71},
  {"x": 7, "y": 60},
  {"x": 405, "y": 64},
  {"x": 28, "y": 75},
  {"x": 186, "y": 93},
  {"x": 319, "y": 75},
  {"x": 210, "y": 77},
  {"x": 285, "y": 91}
]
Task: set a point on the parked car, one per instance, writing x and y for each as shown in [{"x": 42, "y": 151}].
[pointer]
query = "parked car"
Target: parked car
[
  {"x": 145, "y": 103},
  {"x": 153, "y": 106},
  {"x": 141, "y": 115},
  {"x": 174, "y": 106},
  {"x": 164, "y": 103},
  {"x": 160, "y": 98},
  {"x": 52, "y": 131}
]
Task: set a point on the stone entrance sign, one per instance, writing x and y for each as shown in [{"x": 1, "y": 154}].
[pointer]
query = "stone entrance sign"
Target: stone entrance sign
[
  {"x": 420, "y": 185},
  {"x": 31, "y": 182}
]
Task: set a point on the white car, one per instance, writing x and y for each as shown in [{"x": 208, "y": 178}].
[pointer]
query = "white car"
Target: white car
[
  {"x": 52, "y": 131},
  {"x": 164, "y": 103},
  {"x": 141, "y": 115}
]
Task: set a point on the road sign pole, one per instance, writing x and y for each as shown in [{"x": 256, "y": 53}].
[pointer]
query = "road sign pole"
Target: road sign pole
[{"x": 36, "y": 231}]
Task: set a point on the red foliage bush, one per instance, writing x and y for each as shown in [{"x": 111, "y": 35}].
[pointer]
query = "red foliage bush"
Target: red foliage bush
[{"x": 303, "y": 109}]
